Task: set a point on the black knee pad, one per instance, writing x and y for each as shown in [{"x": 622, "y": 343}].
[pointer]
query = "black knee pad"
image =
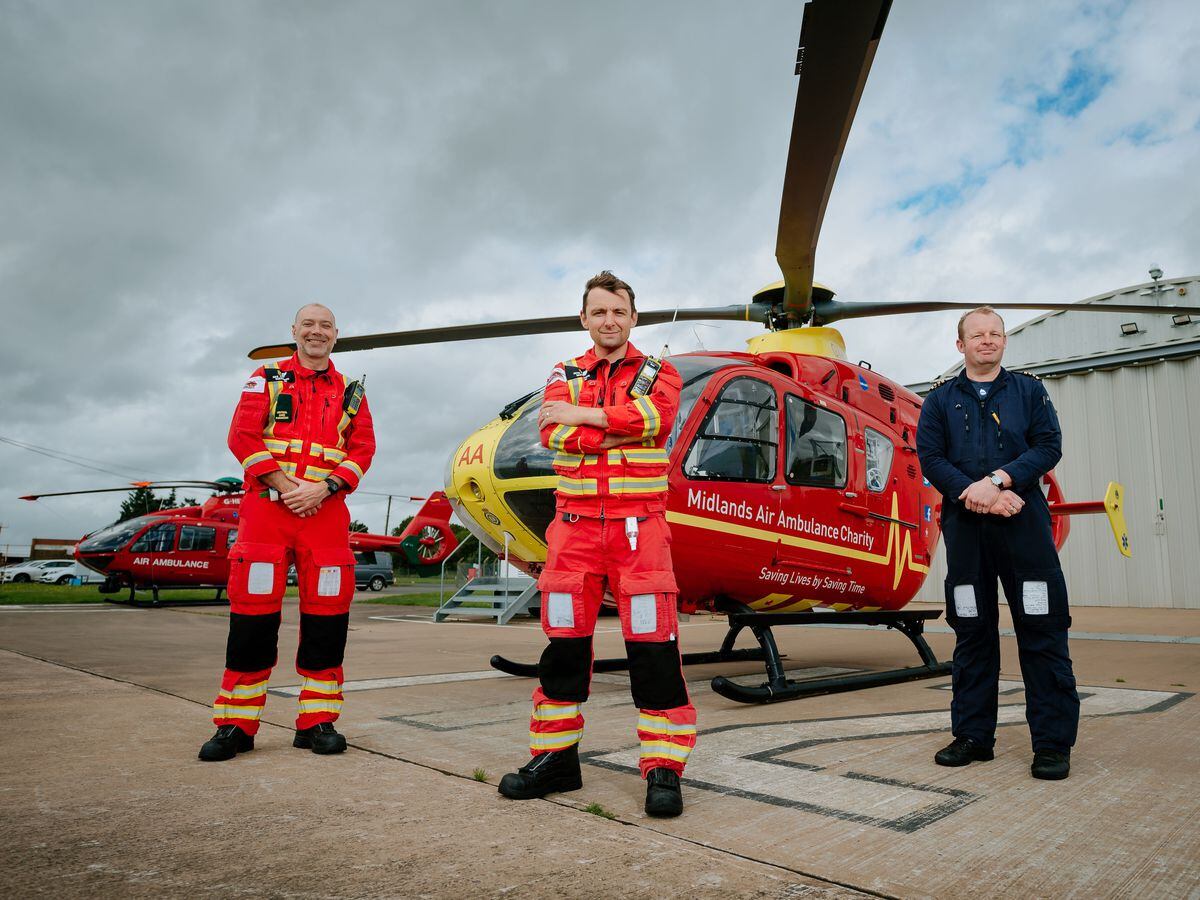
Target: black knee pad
[
  {"x": 656, "y": 679},
  {"x": 253, "y": 642},
  {"x": 566, "y": 668},
  {"x": 322, "y": 641}
]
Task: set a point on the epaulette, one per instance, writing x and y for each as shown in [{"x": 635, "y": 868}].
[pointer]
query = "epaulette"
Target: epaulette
[
  {"x": 945, "y": 379},
  {"x": 1029, "y": 375}
]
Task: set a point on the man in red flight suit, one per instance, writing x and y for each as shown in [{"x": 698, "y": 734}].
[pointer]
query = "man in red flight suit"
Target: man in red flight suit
[
  {"x": 610, "y": 424},
  {"x": 303, "y": 433}
]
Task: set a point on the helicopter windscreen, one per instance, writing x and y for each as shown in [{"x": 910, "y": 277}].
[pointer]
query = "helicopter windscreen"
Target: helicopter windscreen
[
  {"x": 115, "y": 536},
  {"x": 695, "y": 372}
]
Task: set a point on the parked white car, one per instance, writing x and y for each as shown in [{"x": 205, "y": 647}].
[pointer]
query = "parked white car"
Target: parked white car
[
  {"x": 35, "y": 569},
  {"x": 70, "y": 573}
]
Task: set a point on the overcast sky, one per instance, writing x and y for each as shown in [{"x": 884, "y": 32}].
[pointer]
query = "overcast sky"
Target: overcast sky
[{"x": 176, "y": 178}]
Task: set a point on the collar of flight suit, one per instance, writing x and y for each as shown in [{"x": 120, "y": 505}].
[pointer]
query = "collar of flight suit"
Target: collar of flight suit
[
  {"x": 303, "y": 371},
  {"x": 591, "y": 362},
  {"x": 963, "y": 383}
]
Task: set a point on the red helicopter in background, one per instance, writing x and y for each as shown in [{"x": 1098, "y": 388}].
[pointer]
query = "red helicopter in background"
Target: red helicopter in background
[
  {"x": 794, "y": 491},
  {"x": 188, "y": 547}
]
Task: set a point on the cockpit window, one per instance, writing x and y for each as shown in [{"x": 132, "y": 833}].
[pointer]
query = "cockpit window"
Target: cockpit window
[
  {"x": 158, "y": 539},
  {"x": 740, "y": 435},
  {"x": 115, "y": 536},
  {"x": 695, "y": 372},
  {"x": 520, "y": 453}
]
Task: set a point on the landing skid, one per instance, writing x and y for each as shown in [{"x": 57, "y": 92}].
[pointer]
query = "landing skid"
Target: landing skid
[
  {"x": 778, "y": 687},
  {"x": 132, "y": 599}
]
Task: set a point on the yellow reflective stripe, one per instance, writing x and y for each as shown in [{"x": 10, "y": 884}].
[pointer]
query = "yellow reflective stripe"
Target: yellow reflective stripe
[
  {"x": 244, "y": 691},
  {"x": 637, "y": 485},
  {"x": 656, "y": 725},
  {"x": 288, "y": 467},
  {"x": 273, "y": 388},
  {"x": 642, "y": 455},
  {"x": 316, "y": 449},
  {"x": 649, "y": 416},
  {"x": 558, "y": 437},
  {"x": 579, "y": 487},
  {"x": 343, "y": 424},
  {"x": 568, "y": 459},
  {"x": 353, "y": 467},
  {"x": 226, "y": 711},
  {"x": 314, "y": 473},
  {"x": 255, "y": 458},
  {"x": 321, "y": 687},
  {"x": 334, "y": 455},
  {"x": 555, "y": 741},
  {"x": 276, "y": 446},
  {"x": 312, "y": 706},
  {"x": 665, "y": 750},
  {"x": 554, "y": 713}
]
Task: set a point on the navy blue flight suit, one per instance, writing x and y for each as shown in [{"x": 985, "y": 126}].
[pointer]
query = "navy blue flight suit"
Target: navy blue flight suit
[{"x": 960, "y": 439}]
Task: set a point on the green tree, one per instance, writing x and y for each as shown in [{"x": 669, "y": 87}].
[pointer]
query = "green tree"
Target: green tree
[
  {"x": 142, "y": 501},
  {"x": 358, "y": 527}
]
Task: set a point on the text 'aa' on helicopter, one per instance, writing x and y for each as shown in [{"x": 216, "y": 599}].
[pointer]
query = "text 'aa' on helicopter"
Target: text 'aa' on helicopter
[
  {"x": 795, "y": 495},
  {"x": 188, "y": 547}
]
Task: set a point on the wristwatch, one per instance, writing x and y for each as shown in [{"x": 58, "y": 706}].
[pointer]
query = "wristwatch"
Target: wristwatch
[
  {"x": 332, "y": 485},
  {"x": 996, "y": 480}
]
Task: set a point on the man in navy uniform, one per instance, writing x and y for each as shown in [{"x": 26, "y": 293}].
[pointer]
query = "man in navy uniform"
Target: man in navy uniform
[{"x": 985, "y": 439}]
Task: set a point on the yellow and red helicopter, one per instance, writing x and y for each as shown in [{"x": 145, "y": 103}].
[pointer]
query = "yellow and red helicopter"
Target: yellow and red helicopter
[
  {"x": 188, "y": 546},
  {"x": 795, "y": 495}
]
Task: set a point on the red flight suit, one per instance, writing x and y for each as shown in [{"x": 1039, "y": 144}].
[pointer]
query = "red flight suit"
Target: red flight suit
[
  {"x": 294, "y": 419},
  {"x": 588, "y": 549}
]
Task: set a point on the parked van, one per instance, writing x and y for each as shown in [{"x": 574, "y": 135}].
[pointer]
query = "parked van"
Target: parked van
[{"x": 372, "y": 569}]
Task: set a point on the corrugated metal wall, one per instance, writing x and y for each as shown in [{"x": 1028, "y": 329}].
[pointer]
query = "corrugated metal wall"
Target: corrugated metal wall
[{"x": 1139, "y": 425}]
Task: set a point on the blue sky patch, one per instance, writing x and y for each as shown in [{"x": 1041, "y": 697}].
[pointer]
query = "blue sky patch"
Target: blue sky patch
[{"x": 1079, "y": 88}]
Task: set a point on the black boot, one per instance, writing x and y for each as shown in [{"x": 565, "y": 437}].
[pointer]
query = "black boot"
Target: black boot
[
  {"x": 227, "y": 743},
  {"x": 1050, "y": 765},
  {"x": 546, "y": 773},
  {"x": 664, "y": 799},
  {"x": 963, "y": 751},
  {"x": 321, "y": 738}
]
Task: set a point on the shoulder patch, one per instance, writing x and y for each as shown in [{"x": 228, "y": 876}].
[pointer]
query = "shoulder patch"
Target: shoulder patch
[
  {"x": 286, "y": 376},
  {"x": 570, "y": 372},
  {"x": 557, "y": 375},
  {"x": 255, "y": 384},
  {"x": 1030, "y": 375}
]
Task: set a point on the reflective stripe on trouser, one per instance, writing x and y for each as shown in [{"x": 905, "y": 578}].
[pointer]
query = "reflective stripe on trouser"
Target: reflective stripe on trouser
[
  {"x": 241, "y": 699},
  {"x": 320, "y": 696},
  {"x": 553, "y": 725},
  {"x": 667, "y": 737}
]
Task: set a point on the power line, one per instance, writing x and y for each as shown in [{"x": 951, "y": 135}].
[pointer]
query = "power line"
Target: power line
[{"x": 73, "y": 459}]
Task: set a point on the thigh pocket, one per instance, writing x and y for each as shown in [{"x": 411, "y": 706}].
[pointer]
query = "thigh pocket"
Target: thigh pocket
[
  {"x": 328, "y": 583},
  {"x": 256, "y": 578},
  {"x": 647, "y": 606},
  {"x": 562, "y": 603},
  {"x": 1043, "y": 599},
  {"x": 962, "y": 604}
]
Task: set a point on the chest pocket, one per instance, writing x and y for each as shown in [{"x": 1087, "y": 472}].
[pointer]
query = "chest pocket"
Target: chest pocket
[{"x": 586, "y": 391}]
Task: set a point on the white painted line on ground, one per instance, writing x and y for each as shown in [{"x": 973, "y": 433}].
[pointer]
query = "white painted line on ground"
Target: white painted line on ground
[{"x": 375, "y": 684}]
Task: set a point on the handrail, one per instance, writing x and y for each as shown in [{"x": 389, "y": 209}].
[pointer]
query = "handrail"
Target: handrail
[{"x": 449, "y": 556}]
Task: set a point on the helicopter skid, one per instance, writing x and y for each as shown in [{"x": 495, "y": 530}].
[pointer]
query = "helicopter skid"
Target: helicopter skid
[
  {"x": 530, "y": 670},
  {"x": 777, "y": 687}
]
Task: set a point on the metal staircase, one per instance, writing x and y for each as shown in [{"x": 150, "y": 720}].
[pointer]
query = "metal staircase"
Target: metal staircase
[
  {"x": 504, "y": 598},
  {"x": 493, "y": 593}
]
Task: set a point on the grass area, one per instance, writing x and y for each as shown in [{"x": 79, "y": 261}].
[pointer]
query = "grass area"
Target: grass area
[
  {"x": 30, "y": 593},
  {"x": 480, "y": 775}
]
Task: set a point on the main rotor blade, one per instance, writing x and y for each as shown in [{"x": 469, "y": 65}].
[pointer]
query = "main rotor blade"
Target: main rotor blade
[
  {"x": 744, "y": 312},
  {"x": 830, "y": 310},
  {"x": 133, "y": 486},
  {"x": 837, "y": 45}
]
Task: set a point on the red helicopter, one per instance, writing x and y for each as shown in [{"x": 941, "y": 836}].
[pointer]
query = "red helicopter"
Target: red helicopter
[
  {"x": 187, "y": 547},
  {"x": 795, "y": 494}
]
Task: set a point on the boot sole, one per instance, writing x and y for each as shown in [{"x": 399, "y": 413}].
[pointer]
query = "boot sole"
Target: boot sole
[
  {"x": 966, "y": 762},
  {"x": 1051, "y": 776},
  {"x": 561, "y": 786},
  {"x": 306, "y": 744},
  {"x": 201, "y": 755}
]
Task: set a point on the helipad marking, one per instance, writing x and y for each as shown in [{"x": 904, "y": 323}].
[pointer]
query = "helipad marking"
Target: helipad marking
[
  {"x": 1073, "y": 635},
  {"x": 731, "y": 760},
  {"x": 375, "y": 684}
]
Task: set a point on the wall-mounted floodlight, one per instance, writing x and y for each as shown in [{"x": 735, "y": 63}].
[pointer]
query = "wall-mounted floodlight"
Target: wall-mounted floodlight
[
  {"x": 1181, "y": 319},
  {"x": 1128, "y": 328}
]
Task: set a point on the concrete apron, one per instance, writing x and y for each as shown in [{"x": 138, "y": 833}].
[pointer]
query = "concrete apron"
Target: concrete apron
[{"x": 825, "y": 796}]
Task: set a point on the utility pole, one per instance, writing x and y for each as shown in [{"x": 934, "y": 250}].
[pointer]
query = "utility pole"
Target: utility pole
[{"x": 388, "y": 517}]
